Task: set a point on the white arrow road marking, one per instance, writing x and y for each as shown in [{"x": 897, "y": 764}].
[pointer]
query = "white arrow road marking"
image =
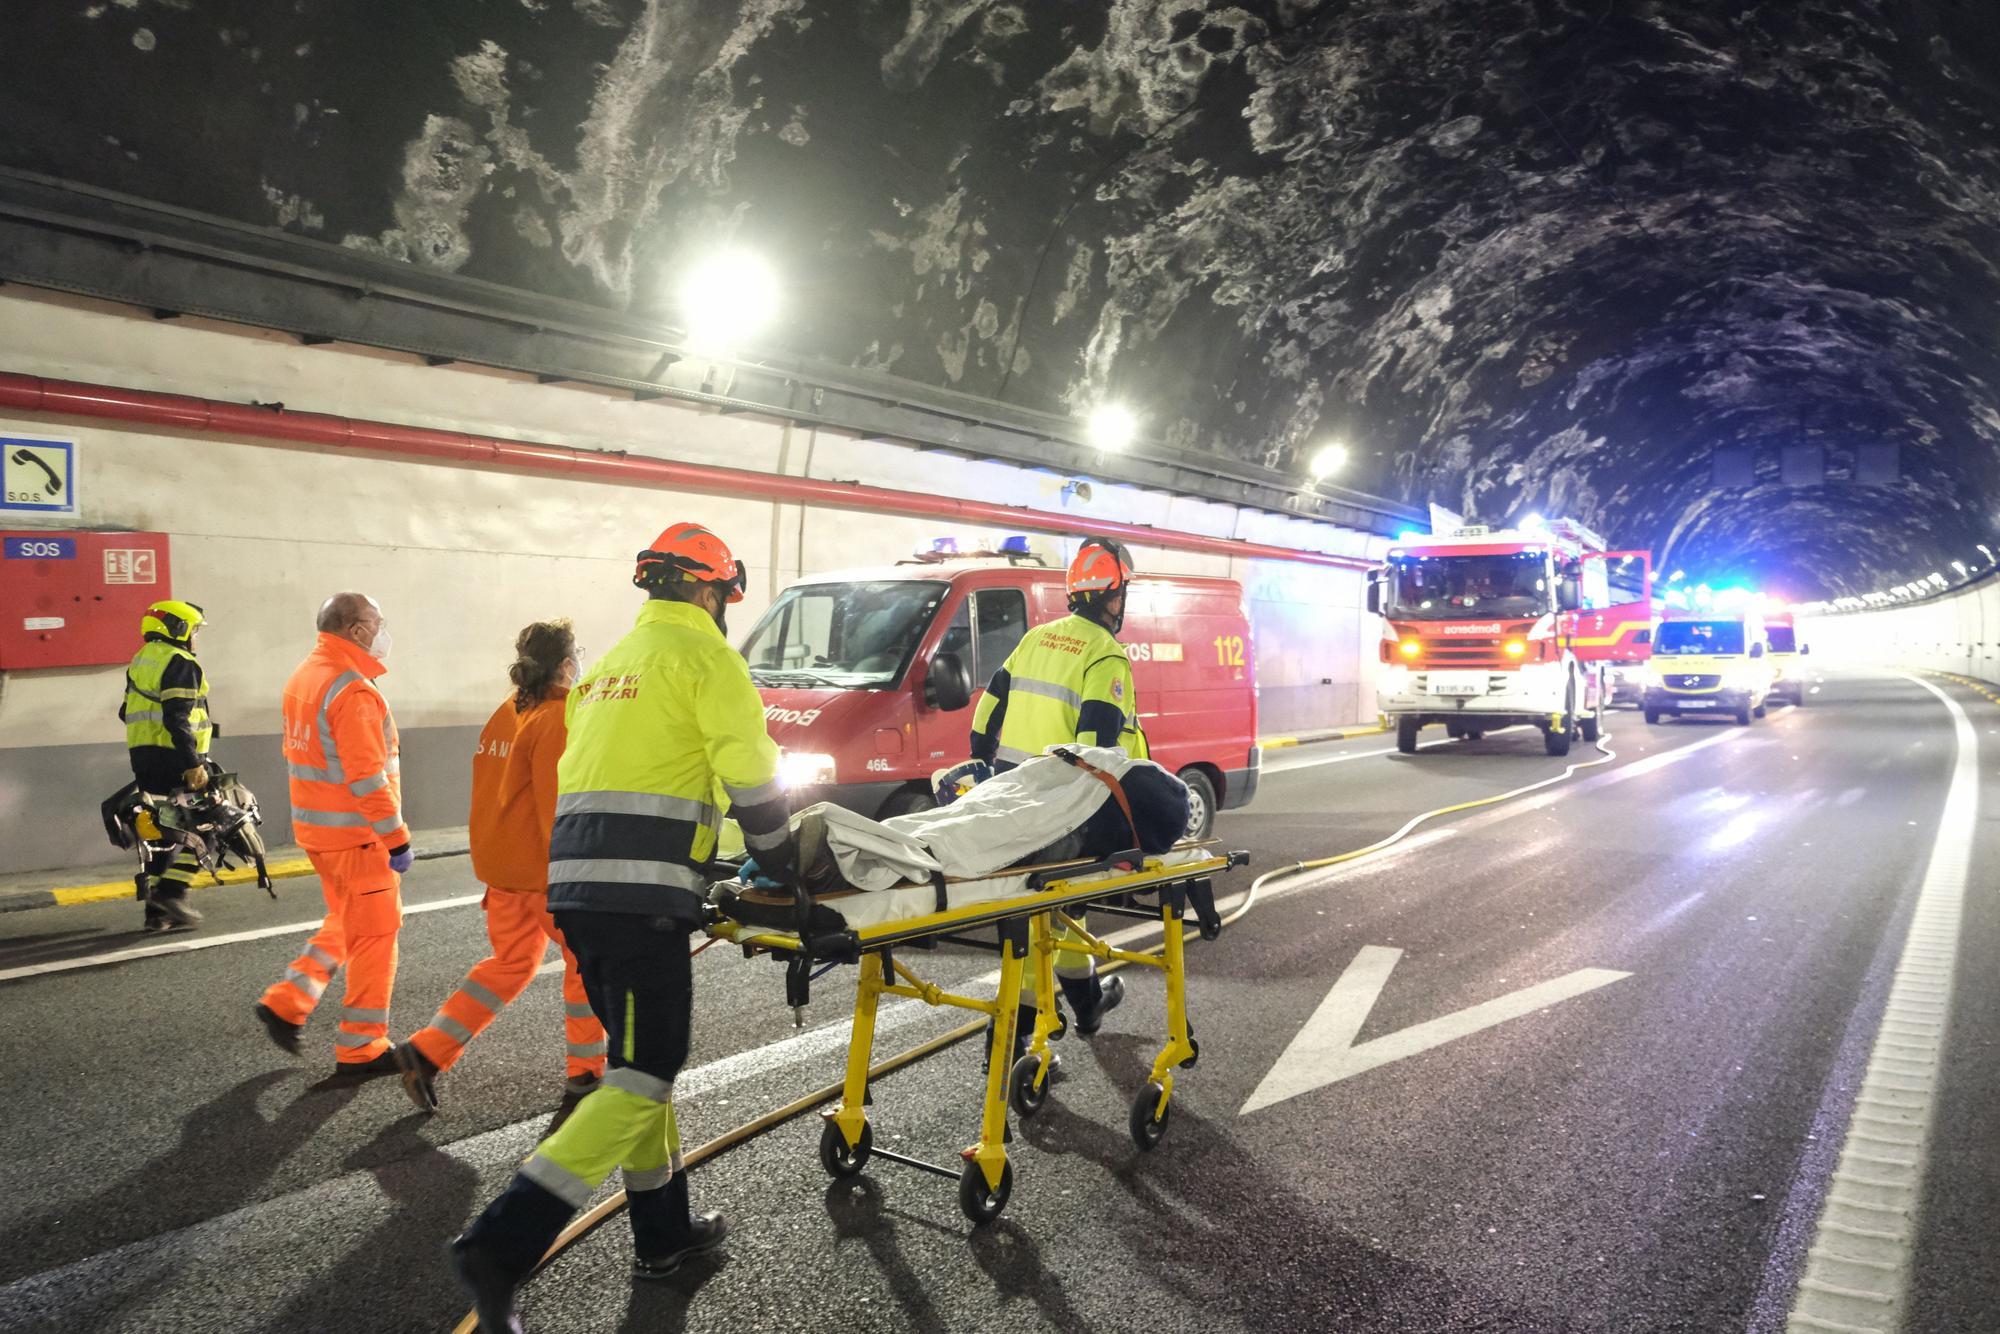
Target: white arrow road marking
[{"x": 1324, "y": 1052}]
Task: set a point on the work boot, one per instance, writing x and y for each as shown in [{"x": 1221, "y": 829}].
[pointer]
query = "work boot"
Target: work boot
[
  {"x": 705, "y": 1233},
  {"x": 490, "y": 1286},
  {"x": 160, "y": 926},
  {"x": 419, "y": 1075},
  {"x": 283, "y": 1031},
  {"x": 174, "y": 909},
  {"x": 1089, "y": 1021},
  {"x": 383, "y": 1064}
]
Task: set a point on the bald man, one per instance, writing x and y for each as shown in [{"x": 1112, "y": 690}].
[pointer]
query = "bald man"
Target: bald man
[{"x": 347, "y": 813}]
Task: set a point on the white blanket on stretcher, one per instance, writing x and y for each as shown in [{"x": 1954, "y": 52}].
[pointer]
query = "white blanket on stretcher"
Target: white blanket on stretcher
[
  {"x": 907, "y": 901},
  {"x": 1003, "y": 821}
]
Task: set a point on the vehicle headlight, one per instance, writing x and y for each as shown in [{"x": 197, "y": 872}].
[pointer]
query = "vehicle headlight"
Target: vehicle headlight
[{"x": 797, "y": 768}]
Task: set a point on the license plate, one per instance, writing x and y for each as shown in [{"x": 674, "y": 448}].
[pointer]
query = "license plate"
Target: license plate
[
  {"x": 1695, "y": 704},
  {"x": 1458, "y": 683}
]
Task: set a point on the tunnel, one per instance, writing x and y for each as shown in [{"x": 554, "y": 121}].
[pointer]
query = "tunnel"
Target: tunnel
[{"x": 1547, "y": 453}]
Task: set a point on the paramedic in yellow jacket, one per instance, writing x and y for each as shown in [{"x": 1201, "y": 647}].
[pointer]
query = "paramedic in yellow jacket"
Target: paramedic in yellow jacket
[
  {"x": 1069, "y": 681},
  {"x": 666, "y": 735}
]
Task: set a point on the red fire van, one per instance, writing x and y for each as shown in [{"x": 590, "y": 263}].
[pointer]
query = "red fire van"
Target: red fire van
[{"x": 869, "y": 677}]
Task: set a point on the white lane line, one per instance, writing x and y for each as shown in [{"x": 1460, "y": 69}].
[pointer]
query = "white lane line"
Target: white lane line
[
  {"x": 1287, "y": 767},
  {"x": 189, "y": 944},
  {"x": 1857, "y": 1269}
]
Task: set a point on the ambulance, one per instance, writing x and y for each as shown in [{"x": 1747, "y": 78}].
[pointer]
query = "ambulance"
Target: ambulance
[
  {"x": 1709, "y": 662},
  {"x": 1485, "y": 628},
  {"x": 1787, "y": 657},
  {"x": 869, "y": 677}
]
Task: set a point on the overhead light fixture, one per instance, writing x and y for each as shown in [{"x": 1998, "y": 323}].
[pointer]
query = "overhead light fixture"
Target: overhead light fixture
[
  {"x": 1327, "y": 460},
  {"x": 728, "y": 298},
  {"x": 1112, "y": 427},
  {"x": 1961, "y": 567},
  {"x": 1532, "y": 524}
]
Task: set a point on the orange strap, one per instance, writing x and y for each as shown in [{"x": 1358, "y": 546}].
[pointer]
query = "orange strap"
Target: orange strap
[{"x": 1117, "y": 788}]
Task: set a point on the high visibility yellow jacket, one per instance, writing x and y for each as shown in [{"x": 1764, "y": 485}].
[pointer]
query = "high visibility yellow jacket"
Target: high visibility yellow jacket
[
  {"x": 165, "y": 712},
  {"x": 1066, "y": 681},
  {"x": 666, "y": 735}
]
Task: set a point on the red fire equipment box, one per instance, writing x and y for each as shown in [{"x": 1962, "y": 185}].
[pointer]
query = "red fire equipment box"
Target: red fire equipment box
[{"x": 74, "y": 599}]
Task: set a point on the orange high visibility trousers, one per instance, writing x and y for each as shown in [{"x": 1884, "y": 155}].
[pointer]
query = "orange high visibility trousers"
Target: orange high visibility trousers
[
  {"x": 364, "y": 910},
  {"x": 519, "y": 928}
]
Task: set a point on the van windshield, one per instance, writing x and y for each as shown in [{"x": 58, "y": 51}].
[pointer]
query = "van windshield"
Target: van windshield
[
  {"x": 1691, "y": 637},
  {"x": 847, "y": 636},
  {"x": 1432, "y": 588},
  {"x": 1782, "y": 639}
]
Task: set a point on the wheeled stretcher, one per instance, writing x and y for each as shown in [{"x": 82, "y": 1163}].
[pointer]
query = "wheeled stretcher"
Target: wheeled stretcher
[{"x": 1028, "y": 907}]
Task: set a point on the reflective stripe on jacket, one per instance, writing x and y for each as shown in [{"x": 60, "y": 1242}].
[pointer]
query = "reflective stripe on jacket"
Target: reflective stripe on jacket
[
  {"x": 514, "y": 793},
  {"x": 341, "y": 751},
  {"x": 1066, "y": 681},
  {"x": 166, "y": 703},
  {"x": 666, "y": 735}
]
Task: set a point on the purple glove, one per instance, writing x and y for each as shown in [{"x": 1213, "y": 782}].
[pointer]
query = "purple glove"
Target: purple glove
[{"x": 401, "y": 858}]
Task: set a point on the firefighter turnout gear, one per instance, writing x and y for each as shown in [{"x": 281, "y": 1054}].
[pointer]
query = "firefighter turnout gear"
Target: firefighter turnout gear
[
  {"x": 513, "y": 812},
  {"x": 666, "y": 734},
  {"x": 341, "y": 753},
  {"x": 167, "y": 736},
  {"x": 1066, "y": 682}
]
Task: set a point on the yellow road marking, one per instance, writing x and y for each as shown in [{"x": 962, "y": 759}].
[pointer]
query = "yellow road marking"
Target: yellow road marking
[{"x": 122, "y": 889}]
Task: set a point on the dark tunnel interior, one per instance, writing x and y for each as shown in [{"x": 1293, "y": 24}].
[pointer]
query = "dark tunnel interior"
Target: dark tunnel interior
[{"x": 1717, "y": 278}]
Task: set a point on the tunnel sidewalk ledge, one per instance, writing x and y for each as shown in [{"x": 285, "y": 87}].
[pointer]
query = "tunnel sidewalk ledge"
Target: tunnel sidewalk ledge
[
  {"x": 109, "y": 881},
  {"x": 1329, "y": 734}
]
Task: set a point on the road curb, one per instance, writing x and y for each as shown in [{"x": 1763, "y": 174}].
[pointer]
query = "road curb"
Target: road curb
[
  {"x": 64, "y": 896},
  {"x": 1281, "y": 742}
]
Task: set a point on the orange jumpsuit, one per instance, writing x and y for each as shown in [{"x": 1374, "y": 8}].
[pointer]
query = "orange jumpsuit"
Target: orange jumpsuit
[
  {"x": 347, "y": 813},
  {"x": 513, "y": 812}
]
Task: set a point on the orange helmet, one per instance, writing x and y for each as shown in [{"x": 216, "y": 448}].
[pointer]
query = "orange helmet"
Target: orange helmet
[
  {"x": 689, "y": 553},
  {"x": 1101, "y": 566}
]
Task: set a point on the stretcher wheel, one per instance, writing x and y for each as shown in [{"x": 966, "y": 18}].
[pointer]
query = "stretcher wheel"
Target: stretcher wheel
[
  {"x": 1023, "y": 1095},
  {"x": 837, "y": 1158},
  {"x": 1194, "y": 1055},
  {"x": 1147, "y": 1127},
  {"x": 978, "y": 1203}
]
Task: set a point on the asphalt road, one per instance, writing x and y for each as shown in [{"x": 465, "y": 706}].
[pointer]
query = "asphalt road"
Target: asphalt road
[{"x": 1648, "y": 1152}]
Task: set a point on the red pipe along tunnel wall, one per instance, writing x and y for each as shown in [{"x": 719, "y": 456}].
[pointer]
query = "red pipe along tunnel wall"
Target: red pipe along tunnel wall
[{"x": 34, "y": 393}]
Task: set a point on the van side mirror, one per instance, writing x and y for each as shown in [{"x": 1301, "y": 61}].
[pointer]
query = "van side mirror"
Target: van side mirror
[
  {"x": 1805, "y": 649},
  {"x": 1756, "y": 650},
  {"x": 948, "y": 685},
  {"x": 1569, "y": 593},
  {"x": 1375, "y": 597}
]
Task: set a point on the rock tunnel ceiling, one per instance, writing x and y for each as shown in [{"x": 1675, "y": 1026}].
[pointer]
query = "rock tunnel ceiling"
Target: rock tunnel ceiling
[{"x": 1520, "y": 254}]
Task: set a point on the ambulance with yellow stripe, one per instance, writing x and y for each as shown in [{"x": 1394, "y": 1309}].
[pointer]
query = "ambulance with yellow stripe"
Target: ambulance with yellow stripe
[
  {"x": 1715, "y": 662},
  {"x": 1484, "y": 629}
]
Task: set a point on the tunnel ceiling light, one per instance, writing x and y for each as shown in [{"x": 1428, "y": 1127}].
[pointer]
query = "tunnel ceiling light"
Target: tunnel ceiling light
[
  {"x": 1327, "y": 460},
  {"x": 1113, "y": 428},
  {"x": 1961, "y": 567},
  {"x": 728, "y": 298}
]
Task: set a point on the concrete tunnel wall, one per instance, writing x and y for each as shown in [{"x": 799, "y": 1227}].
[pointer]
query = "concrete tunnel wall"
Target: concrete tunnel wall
[
  {"x": 460, "y": 558},
  {"x": 1959, "y": 633}
]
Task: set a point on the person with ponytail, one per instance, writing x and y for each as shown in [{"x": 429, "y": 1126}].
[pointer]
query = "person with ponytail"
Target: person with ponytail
[{"x": 513, "y": 813}]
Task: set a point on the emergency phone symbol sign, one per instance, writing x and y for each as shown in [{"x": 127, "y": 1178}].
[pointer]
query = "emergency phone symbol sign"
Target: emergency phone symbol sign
[{"x": 40, "y": 475}]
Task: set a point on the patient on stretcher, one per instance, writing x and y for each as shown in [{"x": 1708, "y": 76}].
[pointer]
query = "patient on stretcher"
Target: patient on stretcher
[{"x": 1077, "y": 802}]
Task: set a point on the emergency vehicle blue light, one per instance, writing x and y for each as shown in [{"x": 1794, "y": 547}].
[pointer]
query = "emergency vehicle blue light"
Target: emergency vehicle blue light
[
  {"x": 1410, "y": 535},
  {"x": 1017, "y": 545},
  {"x": 947, "y": 546}
]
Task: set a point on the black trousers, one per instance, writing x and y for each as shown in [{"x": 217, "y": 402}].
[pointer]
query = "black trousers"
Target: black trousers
[{"x": 638, "y": 975}]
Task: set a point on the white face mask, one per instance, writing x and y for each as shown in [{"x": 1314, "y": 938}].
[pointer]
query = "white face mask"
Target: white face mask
[{"x": 378, "y": 647}]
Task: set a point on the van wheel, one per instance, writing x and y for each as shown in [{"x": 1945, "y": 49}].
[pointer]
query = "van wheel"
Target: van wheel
[
  {"x": 1761, "y": 710},
  {"x": 908, "y": 801},
  {"x": 1743, "y": 716},
  {"x": 1555, "y": 740},
  {"x": 1406, "y": 735},
  {"x": 1201, "y": 803},
  {"x": 1652, "y": 717},
  {"x": 1593, "y": 722}
]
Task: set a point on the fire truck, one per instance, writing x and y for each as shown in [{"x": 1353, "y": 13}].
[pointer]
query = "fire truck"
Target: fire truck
[{"x": 1485, "y": 628}]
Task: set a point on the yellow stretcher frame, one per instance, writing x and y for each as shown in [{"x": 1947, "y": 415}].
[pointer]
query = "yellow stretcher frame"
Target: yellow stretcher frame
[{"x": 1028, "y": 926}]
